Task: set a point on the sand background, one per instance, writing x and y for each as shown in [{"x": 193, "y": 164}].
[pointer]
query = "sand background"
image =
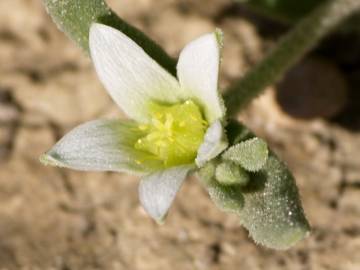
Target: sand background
[{"x": 53, "y": 218}]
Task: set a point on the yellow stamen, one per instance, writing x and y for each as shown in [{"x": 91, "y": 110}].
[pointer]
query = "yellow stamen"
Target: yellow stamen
[{"x": 174, "y": 134}]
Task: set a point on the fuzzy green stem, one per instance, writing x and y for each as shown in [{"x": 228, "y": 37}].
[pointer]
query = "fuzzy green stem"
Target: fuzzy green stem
[{"x": 290, "y": 49}]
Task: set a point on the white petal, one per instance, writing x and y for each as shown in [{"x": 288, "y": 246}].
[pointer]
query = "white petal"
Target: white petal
[
  {"x": 157, "y": 191},
  {"x": 198, "y": 69},
  {"x": 130, "y": 76},
  {"x": 102, "y": 145},
  {"x": 214, "y": 143}
]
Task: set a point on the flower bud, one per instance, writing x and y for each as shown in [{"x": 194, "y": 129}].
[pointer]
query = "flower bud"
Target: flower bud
[{"x": 228, "y": 173}]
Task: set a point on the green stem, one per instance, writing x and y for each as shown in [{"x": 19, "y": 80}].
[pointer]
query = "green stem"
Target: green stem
[
  {"x": 74, "y": 17},
  {"x": 308, "y": 32}
]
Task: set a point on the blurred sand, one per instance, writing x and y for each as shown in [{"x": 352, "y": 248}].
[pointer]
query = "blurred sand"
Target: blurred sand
[{"x": 59, "y": 219}]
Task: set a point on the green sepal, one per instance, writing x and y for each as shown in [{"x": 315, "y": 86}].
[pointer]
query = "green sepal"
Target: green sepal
[
  {"x": 271, "y": 209},
  {"x": 75, "y": 18},
  {"x": 251, "y": 154},
  {"x": 227, "y": 198},
  {"x": 228, "y": 173}
]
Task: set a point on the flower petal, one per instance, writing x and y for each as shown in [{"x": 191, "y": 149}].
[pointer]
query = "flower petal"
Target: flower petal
[
  {"x": 102, "y": 145},
  {"x": 198, "y": 69},
  {"x": 214, "y": 143},
  {"x": 157, "y": 191},
  {"x": 130, "y": 76}
]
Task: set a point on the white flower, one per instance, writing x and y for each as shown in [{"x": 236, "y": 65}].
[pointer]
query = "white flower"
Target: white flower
[{"x": 176, "y": 126}]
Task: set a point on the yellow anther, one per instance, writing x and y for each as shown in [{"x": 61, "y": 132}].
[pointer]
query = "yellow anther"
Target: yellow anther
[
  {"x": 166, "y": 137},
  {"x": 143, "y": 127}
]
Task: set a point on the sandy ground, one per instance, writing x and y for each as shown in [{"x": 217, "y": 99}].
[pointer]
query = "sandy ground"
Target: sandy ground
[{"x": 60, "y": 219}]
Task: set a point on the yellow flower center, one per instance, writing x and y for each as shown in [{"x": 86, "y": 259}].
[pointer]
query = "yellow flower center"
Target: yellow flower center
[{"x": 174, "y": 134}]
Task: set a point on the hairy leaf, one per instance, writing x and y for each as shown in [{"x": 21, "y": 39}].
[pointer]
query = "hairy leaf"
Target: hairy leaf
[{"x": 271, "y": 208}]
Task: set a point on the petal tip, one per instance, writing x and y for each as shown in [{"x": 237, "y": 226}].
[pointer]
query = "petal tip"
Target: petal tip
[
  {"x": 158, "y": 190},
  {"x": 94, "y": 28},
  {"x": 97, "y": 27},
  {"x": 97, "y": 32},
  {"x": 160, "y": 220},
  {"x": 219, "y": 35},
  {"x": 47, "y": 159}
]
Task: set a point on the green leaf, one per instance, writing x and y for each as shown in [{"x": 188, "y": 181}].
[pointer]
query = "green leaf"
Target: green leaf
[
  {"x": 250, "y": 154},
  {"x": 271, "y": 209},
  {"x": 273, "y": 213},
  {"x": 74, "y": 17}
]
